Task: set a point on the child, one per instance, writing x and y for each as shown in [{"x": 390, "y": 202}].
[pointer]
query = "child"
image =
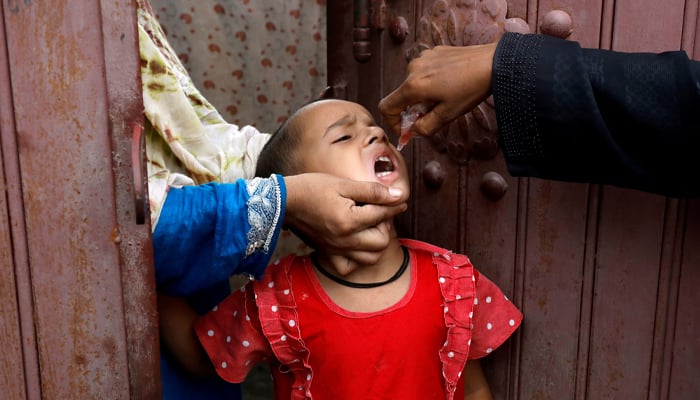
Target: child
[{"x": 411, "y": 326}]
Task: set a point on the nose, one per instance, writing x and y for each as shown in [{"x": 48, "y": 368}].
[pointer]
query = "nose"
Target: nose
[{"x": 376, "y": 134}]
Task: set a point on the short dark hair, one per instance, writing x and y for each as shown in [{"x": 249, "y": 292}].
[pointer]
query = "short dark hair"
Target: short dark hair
[{"x": 279, "y": 155}]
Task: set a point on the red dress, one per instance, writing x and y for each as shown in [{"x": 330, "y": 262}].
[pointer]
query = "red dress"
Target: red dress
[{"x": 414, "y": 349}]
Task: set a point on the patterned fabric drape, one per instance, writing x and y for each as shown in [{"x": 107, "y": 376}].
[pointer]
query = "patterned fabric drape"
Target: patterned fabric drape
[{"x": 251, "y": 64}]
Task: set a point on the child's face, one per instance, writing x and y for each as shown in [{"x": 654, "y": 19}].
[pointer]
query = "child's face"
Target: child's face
[{"x": 341, "y": 138}]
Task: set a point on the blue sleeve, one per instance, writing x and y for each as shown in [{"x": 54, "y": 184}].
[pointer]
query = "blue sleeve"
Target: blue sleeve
[{"x": 209, "y": 232}]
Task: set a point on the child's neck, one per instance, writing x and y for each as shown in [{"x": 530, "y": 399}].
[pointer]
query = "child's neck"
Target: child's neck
[
  {"x": 385, "y": 280},
  {"x": 345, "y": 269}
]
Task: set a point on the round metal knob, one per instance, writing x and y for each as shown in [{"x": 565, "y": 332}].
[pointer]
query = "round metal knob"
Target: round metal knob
[
  {"x": 398, "y": 29},
  {"x": 433, "y": 175},
  {"x": 517, "y": 25},
  {"x": 557, "y": 23},
  {"x": 493, "y": 186}
]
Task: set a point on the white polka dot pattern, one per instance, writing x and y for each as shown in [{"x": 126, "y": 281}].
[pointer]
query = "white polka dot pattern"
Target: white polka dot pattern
[{"x": 473, "y": 329}]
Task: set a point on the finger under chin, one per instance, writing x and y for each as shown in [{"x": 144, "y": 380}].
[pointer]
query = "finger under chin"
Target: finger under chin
[
  {"x": 357, "y": 258},
  {"x": 342, "y": 265},
  {"x": 370, "y": 243},
  {"x": 371, "y": 215}
]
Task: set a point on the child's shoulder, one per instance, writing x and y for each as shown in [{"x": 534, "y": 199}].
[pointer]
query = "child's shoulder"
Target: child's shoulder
[
  {"x": 278, "y": 271},
  {"x": 438, "y": 253}
]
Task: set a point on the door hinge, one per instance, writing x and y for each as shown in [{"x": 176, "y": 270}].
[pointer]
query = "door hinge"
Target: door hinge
[{"x": 367, "y": 15}]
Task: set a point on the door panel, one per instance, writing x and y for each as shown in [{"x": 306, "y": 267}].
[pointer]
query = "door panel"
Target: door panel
[
  {"x": 682, "y": 339},
  {"x": 627, "y": 270},
  {"x": 553, "y": 268},
  {"x": 648, "y": 25},
  {"x": 78, "y": 258},
  {"x": 11, "y": 371},
  {"x": 20, "y": 372},
  {"x": 604, "y": 276}
]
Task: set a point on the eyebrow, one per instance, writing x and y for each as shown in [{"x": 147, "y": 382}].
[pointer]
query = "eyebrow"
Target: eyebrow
[{"x": 346, "y": 120}]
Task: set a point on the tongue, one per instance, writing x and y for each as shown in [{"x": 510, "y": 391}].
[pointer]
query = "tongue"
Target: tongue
[{"x": 383, "y": 166}]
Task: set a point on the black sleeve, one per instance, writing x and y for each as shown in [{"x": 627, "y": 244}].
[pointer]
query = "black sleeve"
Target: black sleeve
[{"x": 589, "y": 115}]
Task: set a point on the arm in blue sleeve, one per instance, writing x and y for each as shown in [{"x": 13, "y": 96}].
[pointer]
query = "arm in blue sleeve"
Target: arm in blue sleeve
[{"x": 209, "y": 232}]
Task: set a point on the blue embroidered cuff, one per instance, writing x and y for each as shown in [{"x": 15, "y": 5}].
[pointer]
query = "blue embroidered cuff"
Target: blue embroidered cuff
[{"x": 266, "y": 206}]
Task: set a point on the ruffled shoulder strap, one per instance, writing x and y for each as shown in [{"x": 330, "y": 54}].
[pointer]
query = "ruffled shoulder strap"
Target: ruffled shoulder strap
[
  {"x": 457, "y": 281},
  {"x": 279, "y": 320}
]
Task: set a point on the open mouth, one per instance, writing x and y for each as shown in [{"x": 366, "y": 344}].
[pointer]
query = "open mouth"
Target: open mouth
[{"x": 383, "y": 166}]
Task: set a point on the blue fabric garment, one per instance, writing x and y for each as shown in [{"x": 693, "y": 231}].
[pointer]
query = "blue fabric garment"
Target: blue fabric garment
[
  {"x": 177, "y": 384},
  {"x": 202, "y": 237},
  {"x": 200, "y": 241}
]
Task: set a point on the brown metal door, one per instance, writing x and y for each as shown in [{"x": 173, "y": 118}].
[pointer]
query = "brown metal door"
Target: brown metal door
[
  {"x": 76, "y": 295},
  {"x": 605, "y": 277}
]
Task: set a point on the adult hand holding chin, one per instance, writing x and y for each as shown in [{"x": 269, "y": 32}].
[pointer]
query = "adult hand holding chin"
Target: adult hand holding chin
[{"x": 342, "y": 217}]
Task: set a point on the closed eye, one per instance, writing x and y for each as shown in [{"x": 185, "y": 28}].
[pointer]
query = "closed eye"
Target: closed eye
[{"x": 342, "y": 138}]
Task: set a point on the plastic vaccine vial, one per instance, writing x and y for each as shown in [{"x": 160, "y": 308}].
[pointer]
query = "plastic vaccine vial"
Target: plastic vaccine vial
[{"x": 408, "y": 118}]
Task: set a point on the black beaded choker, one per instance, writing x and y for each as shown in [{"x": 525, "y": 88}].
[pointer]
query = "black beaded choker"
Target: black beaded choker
[{"x": 356, "y": 285}]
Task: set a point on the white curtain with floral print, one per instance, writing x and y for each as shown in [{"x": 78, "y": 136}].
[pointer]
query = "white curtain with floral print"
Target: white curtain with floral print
[{"x": 255, "y": 61}]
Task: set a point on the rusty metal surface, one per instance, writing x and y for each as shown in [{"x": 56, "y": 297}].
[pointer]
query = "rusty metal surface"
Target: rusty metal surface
[
  {"x": 60, "y": 112},
  {"x": 122, "y": 72},
  {"x": 11, "y": 366},
  {"x": 20, "y": 371},
  {"x": 76, "y": 96}
]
